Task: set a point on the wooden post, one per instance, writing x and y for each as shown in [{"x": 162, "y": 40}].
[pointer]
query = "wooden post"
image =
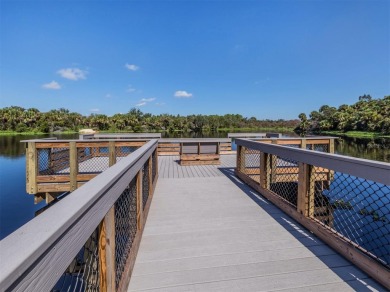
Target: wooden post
[
  {"x": 156, "y": 166},
  {"x": 238, "y": 167},
  {"x": 111, "y": 153},
  {"x": 303, "y": 143},
  {"x": 31, "y": 168},
  {"x": 139, "y": 201},
  {"x": 331, "y": 145},
  {"x": 273, "y": 163},
  {"x": 263, "y": 169},
  {"x": 107, "y": 252},
  {"x": 241, "y": 159},
  {"x": 74, "y": 166},
  {"x": 305, "y": 204}
]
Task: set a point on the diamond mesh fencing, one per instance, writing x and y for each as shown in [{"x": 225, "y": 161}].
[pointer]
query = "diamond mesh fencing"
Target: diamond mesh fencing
[
  {"x": 252, "y": 164},
  {"x": 92, "y": 159},
  {"x": 83, "y": 272},
  {"x": 356, "y": 208},
  {"x": 154, "y": 166},
  {"x": 125, "y": 227},
  {"x": 352, "y": 207},
  {"x": 145, "y": 184},
  {"x": 53, "y": 161},
  {"x": 284, "y": 178},
  {"x": 318, "y": 147}
]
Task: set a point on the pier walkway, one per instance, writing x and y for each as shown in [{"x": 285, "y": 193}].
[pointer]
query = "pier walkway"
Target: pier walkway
[{"x": 208, "y": 231}]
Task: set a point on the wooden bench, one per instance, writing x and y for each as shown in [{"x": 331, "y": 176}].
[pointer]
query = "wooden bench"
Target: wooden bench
[{"x": 199, "y": 153}]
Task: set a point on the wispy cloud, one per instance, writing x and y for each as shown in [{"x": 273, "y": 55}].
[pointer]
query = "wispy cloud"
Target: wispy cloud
[
  {"x": 145, "y": 101},
  {"x": 109, "y": 95},
  {"x": 148, "y": 99},
  {"x": 130, "y": 89},
  {"x": 94, "y": 110},
  {"x": 160, "y": 103},
  {"x": 73, "y": 73},
  {"x": 52, "y": 85},
  {"x": 132, "y": 67},
  {"x": 182, "y": 94}
]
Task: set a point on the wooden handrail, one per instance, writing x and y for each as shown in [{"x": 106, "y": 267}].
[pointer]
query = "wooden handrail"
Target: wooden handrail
[
  {"x": 313, "y": 168},
  {"x": 55, "y": 237},
  {"x": 372, "y": 170}
]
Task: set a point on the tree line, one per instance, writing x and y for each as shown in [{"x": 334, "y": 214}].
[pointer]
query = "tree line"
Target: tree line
[
  {"x": 18, "y": 119},
  {"x": 367, "y": 114}
]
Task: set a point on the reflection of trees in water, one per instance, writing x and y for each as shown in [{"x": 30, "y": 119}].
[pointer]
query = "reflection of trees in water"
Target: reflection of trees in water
[
  {"x": 374, "y": 149},
  {"x": 11, "y": 147}
]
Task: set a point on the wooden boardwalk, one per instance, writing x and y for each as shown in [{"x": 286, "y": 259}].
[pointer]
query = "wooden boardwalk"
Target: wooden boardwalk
[{"x": 207, "y": 231}]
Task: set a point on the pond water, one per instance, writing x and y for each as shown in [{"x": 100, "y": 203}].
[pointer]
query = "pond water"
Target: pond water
[{"x": 17, "y": 207}]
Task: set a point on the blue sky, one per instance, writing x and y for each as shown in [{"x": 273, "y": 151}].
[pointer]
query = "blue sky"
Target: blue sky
[{"x": 268, "y": 59}]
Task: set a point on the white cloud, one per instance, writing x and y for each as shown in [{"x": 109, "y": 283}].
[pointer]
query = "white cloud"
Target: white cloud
[
  {"x": 145, "y": 101},
  {"x": 73, "y": 73},
  {"x": 130, "y": 89},
  {"x": 94, "y": 110},
  {"x": 148, "y": 99},
  {"x": 132, "y": 67},
  {"x": 52, "y": 85},
  {"x": 160, "y": 103},
  {"x": 182, "y": 94}
]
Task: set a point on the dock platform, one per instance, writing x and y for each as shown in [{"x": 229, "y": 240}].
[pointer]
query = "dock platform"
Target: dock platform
[{"x": 208, "y": 231}]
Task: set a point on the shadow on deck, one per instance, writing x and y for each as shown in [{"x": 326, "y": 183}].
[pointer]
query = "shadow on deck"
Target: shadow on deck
[{"x": 209, "y": 231}]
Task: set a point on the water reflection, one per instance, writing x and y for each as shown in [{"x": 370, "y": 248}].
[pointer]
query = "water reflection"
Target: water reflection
[
  {"x": 11, "y": 147},
  {"x": 374, "y": 149}
]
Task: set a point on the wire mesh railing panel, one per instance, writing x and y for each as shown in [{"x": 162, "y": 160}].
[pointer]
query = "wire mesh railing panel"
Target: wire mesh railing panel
[
  {"x": 252, "y": 164},
  {"x": 53, "y": 161},
  {"x": 145, "y": 184},
  {"x": 92, "y": 160},
  {"x": 356, "y": 208},
  {"x": 125, "y": 227},
  {"x": 284, "y": 178},
  {"x": 318, "y": 147},
  {"x": 154, "y": 166},
  {"x": 122, "y": 151},
  {"x": 321, "y": 147},
  {"x": 83, "y": 272}
]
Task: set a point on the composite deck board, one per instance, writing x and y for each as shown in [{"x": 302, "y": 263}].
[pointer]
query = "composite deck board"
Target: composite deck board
[{"x": 207, "y": 231}]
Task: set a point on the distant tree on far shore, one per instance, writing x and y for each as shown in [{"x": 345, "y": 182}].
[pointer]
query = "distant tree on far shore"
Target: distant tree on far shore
[{"x": 367, "y": 114}]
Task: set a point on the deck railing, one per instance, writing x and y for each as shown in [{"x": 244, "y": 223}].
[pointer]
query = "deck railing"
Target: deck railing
[
  {"x": 88, "y": 240},
  {"x": 64, "y": 165},
  {"x": 343, "y": 200}
]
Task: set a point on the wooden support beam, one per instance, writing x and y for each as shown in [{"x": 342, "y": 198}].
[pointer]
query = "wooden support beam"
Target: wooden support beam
[
  {"x": 305, "y": 205},
  {"x": 303, "y": 143},
  {"x": 273, "y": 164},
  {"x": 73, "y": 165},
  {"x": 264, "y": 170},
  {"x": 107, "y": 252},
  {"x": 31, "y": 168},
  {"x": 111, "y": 153},
  {"x": 39, "y": 198},
  {"x": 331, "y": 146}
]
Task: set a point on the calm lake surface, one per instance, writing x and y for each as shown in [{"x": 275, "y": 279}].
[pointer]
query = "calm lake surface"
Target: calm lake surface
[{"x": 17, "y": 207}]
